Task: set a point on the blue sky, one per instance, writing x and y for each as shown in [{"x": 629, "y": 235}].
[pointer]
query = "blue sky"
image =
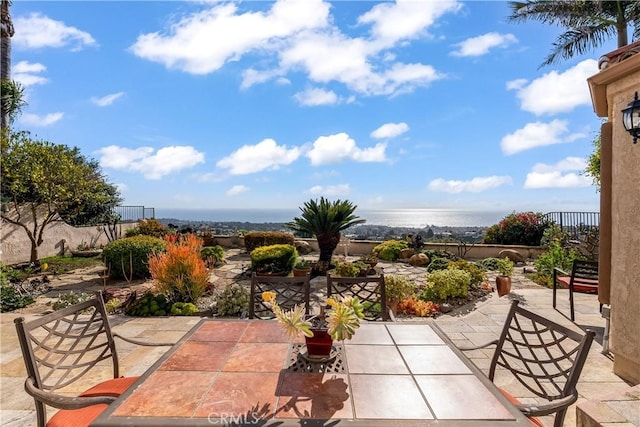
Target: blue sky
[{"x": 265, "y": 104}]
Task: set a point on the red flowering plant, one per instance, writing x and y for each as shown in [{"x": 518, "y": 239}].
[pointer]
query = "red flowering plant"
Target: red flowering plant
[{"x": 524, "y": 228}]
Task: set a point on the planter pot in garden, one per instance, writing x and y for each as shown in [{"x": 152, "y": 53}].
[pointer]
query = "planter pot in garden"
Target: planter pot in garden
[
  {"x": 320, "y": 344},
  {"x": 301, "y": 272},
  {"x": 503, "y": 285}
]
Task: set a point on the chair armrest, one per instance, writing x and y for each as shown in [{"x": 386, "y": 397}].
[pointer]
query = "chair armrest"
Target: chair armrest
[
  {"x": 63, "y": 402},
  {"x": 145, "y": 343},
  {"x": 559, "y": 270},
  {"x": 533, "y": 410},
  {"x": 477, "y": 347}
]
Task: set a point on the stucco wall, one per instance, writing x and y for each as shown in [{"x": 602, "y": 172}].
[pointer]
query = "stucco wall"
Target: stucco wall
[
  {"x": 612, "y": 89},
  {"x": 15, "y": 246}
]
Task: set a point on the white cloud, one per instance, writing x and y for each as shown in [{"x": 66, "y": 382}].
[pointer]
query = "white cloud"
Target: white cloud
[
  {"x": 390, "y": 130},
  {"x": 266, "y": 154},
  {"x": 26, "y": 73},
  {"x": 237, "y": 189},
  {"x": 37, "y": 31},
  {"x": 330, "y": 190},
  {"x": 339, "y": 147},
  {"x": 40, "y": 120},
  {"x": 556, "y": 92},
  {"x": 405, "y": 19},
  {"x": 107, "y": 99},
  {"x": 187, "y": 45},
  {"x": 481, "y": 45},
  {"x": 475, "y": 185},
  {"x": 316, "y": 96},
  {"x": 559, "y": 175},
  {"x": 516, "y": 84},
  {"x": 537, "y": 134},
  {"x": 165, "y": 161}
]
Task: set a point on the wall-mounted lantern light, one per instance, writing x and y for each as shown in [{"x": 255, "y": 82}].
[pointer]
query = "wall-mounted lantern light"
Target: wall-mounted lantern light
[{"x": 631, "y": 118}]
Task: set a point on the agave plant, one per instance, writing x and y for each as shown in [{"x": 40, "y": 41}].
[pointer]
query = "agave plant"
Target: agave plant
[{"x": 325, "y": 220}]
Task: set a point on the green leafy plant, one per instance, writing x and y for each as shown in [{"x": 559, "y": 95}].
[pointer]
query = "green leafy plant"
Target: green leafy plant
[
  {"x": 233, "y": 301},
  {"x": 505, "y": 267},
  {"x": 183, "y": 309},
  {"x": 256, "y": 239},
  {"x": 274, "y": 258},
  {"x": 398, "y": 287},
  {"x": 449, "y": 284},
  {"x": 438, "y": 264},
  {"x": 389, "y": 250},
  {"x": 128, "y": 257},
  {"x": 148, "y": 227},
  {"x": 303, "y": 264},
  {"x": 149, "y": 305},
  {"x": 113, "y": 305},
  {"x": 347, "y": 269},
  {"x": 212, "y": 255},
  {"x": 10, "y": 298},
  {"x": 478, "y": 276},
  {"x": 490, "y": 263},
  {"x": 68, "y": 299}
]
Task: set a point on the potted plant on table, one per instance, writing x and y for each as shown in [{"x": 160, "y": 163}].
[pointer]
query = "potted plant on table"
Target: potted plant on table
[
  {"x": 338, "y": 323},
  {"x": 397, "y": 288},
  {"x": 503, "y": 280},
  {"x": 301, "y": 268}
]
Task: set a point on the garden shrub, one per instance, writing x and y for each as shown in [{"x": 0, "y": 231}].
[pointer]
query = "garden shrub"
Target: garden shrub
[
  {"x": 179, "y": 272},
  {"x": 449, "y": 284},
  {"x": 10, "y": 298},
  {"x": 212, "y": 255},
  {"x": 347, "y": 269},
  {"x": 113, "y": 305},
  {"x": 256, "y": 239},
  {"x": 478, "y": 276},
  {"x": 148, "y": 227},
  {"x": 149, "y": 305},
  {"x": 439, "y": 253},
  {"x": 233, "y": 301},
  {"x": 69, "y": 299},
  {"x": 556, "y": 256},
  {"x": 274, "y": 258},
  {"x": 128, "y": 258},
  {"x": 490, "y": 263},
  {"x": 417, "y": 307},
  {"x": 183, "y": 309},
  {"x": 438, "y": 264},
  {"x": 389, "y": 250},
  {"x": 524, "y": 228},
  {"x": 398, "y": 287}
]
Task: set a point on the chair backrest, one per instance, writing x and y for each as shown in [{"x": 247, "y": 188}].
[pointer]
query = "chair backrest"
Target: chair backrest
[
  {"x": 370, "y": 290},
  {"x": 584, "y": 274},
  {"x": 59, "y": 348},
  {"x": 545, "y": 357},
  {"x": 290, "y": 291}
]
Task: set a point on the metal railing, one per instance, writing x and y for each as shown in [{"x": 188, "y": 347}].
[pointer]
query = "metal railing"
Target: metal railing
[
  {"x": 134, "y": 213},
  {"x": 575, "y": 223}
]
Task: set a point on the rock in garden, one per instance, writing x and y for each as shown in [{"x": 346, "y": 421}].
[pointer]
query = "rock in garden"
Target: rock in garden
[
  {"x": 303, "y": 247},
  {"x": 512, "y": 254},
  {"x": 406, "y": 253},
  {"x": 445, "y": 307},
  {"x": 419, "y": 260}
]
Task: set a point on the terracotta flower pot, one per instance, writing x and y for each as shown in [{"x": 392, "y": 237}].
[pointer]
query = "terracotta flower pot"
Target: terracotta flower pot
[
  {"x": 300, "y": 272},
  {"x": 503, "y": 285}
]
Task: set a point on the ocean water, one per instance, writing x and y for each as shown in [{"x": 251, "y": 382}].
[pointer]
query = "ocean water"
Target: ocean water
[{"x": 416, "y": 218}]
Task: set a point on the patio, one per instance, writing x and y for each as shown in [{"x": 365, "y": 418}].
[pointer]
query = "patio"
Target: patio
[{"x": 479, "y": 325}]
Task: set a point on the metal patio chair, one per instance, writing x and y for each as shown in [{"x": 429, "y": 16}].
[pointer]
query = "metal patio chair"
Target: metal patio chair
[
  {"x": 59, "y": 349},
  {"x": 290, "y": 291},
  {"x": 583, "y": 278},
  {"x": 544, "y": 357},
  {"x": 370, "y": 290}
]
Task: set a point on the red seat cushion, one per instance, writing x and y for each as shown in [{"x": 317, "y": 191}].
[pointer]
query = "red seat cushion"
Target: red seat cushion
[
  {"x": 76, "y": 417},
  {"x": 114, "y": 387},
  {"x": 585, "y": 285},
  {"x": 84, "y": 416},
  {"x": 535, "y": 421}
]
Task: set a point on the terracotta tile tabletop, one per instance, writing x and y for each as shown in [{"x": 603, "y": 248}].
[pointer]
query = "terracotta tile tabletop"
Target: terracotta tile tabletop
[{"x": 239, "y": 372}]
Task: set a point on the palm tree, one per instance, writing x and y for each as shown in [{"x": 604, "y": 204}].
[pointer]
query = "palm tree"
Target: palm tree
[
  {"x": 588, "y": 23},
  {"x": 6, "y": 32},
  {"x": 325, "y": 220}
]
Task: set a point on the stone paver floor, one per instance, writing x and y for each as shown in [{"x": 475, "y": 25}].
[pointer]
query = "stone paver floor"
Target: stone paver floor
[{"x": 474, "y": 325}]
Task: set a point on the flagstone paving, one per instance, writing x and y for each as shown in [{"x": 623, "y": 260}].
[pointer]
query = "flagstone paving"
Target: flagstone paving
[{"x": 474, "y": 324}]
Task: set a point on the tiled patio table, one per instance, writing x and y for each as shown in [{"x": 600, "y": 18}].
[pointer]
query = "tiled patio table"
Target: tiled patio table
[{"x": 239, "y": 372}]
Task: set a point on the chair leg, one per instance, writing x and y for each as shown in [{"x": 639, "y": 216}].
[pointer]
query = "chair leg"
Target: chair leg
[
  {"x": 555, "y": 285},
  {"x": 573, "y": 317}
]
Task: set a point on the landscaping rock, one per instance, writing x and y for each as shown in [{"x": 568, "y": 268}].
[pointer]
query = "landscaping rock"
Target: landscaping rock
[
  {"x": 303, "y": 247},
  {"x": 406, "y": 253},
  {"x": 512, "y": 254},
  {"x": 419, "y": 260}
]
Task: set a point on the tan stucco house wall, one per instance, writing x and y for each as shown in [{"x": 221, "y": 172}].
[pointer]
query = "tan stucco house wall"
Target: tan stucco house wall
[{"x": 611, "y": 90}]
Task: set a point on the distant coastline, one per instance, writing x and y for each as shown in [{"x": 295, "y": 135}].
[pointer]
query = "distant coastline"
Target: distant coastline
[{"x": 402, "y": 218}]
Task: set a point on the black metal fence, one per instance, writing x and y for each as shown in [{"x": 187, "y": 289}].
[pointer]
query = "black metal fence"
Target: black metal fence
[
  {"x": 575, "y": 223},
  {"x": 134, "y": 213}
]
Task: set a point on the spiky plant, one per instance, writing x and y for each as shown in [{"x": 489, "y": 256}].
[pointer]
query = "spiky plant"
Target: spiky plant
[{"x": 325, "y": 220}]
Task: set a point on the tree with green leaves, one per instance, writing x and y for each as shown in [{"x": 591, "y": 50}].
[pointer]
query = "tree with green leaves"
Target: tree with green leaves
[
  {"x": 11, "y": 91},
  {"x": 41, "y": 180},
  {"x": 325, "y": 220},
  {"x": 593, "y": 163},
  {"x": 588, "y": 23}
]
